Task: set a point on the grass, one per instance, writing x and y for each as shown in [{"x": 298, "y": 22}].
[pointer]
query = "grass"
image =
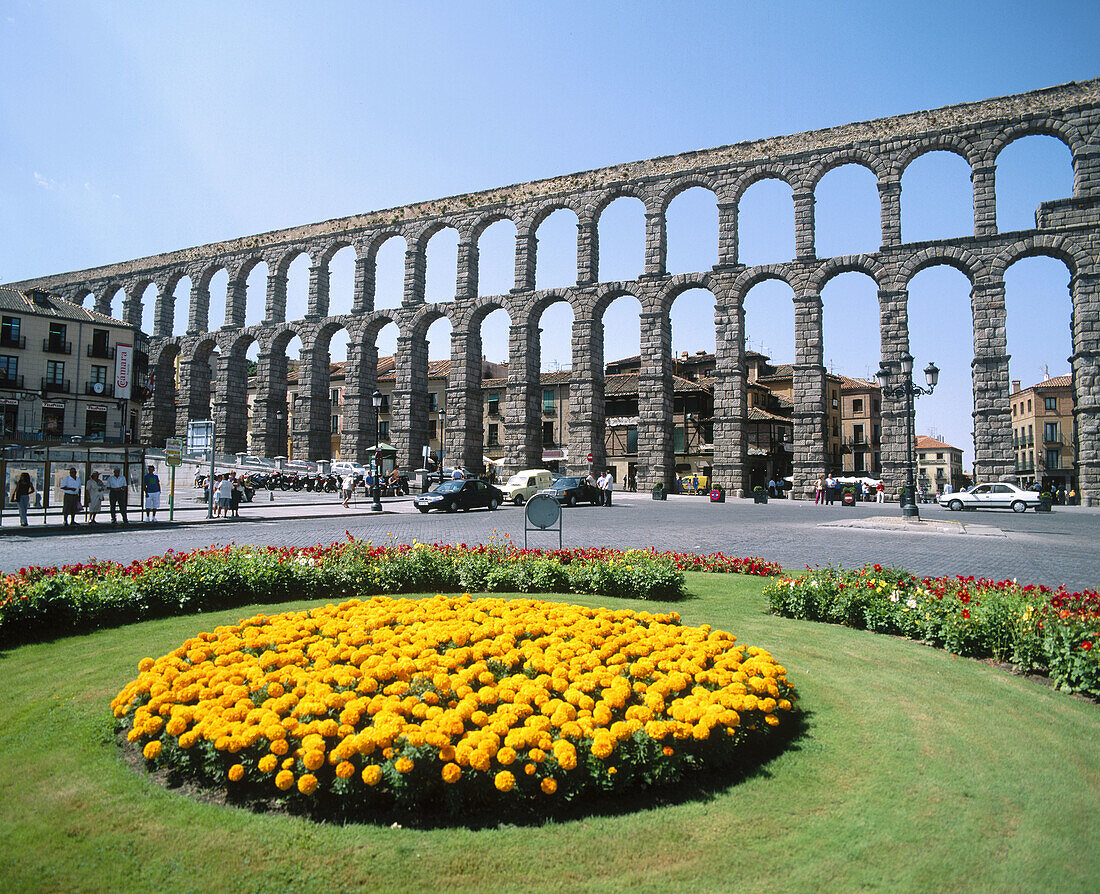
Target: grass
[{"x": 918, "y": 771}]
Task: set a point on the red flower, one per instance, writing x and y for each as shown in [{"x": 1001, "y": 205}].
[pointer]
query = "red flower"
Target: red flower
[
  {"x": 1086, "y": 645},
  {"x": 966, "y": 614}
]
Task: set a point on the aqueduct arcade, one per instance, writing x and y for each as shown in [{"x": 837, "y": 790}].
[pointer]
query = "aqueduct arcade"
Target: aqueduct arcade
[{"x": 1067, "y": 229}]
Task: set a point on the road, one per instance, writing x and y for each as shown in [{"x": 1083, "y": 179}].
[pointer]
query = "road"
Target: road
[{"x": 1060, "y": 547}]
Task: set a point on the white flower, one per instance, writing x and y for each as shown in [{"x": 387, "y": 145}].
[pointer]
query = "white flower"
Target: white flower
[
  {"x": 912, "y": 603},
  {"x": 893, "y": 597}
]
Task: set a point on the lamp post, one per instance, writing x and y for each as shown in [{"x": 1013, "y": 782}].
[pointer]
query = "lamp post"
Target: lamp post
[
  {"x": 376, "y": 486},
  {"x": 908, "y": 390}
]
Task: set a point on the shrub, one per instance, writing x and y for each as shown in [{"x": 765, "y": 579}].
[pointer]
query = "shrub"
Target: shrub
[{"x": 1033, "y": 628}]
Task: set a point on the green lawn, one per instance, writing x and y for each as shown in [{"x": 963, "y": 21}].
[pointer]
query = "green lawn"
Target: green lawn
[{"x": 918, "y": 771}]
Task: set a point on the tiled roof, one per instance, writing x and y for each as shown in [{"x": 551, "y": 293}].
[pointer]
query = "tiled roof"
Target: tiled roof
[
  {"x": 46, "y": 305},
  {"x": 926, "y": 443},
  {"x": 1057, "y": 382},
  {"x": 847, "y": 383},
  {"x": 758, "y": 415}
]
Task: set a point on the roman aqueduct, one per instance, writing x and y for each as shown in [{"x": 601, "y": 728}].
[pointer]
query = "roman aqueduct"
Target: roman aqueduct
[{"x": 1068, "y": 229}]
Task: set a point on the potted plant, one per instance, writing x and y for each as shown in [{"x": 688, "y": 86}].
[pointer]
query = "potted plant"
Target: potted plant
[
  {"x": 1046, "y": 498},
  {"x": 659, "y": 491},
  {"x": 759, "y": 495}
]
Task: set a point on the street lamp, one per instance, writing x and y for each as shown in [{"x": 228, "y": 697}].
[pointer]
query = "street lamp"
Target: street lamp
[
  {"x": 908, "y": 390},
  {"x": 376, "y": 489}
]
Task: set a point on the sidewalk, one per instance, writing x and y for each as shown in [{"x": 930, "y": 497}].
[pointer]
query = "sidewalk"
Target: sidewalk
[{"x": 189, "y": 511}]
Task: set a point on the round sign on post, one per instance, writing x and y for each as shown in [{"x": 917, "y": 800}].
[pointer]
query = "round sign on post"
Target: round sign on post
[
  {"x": 543, "y": 511},
  {"x": 590, "y": 457}
]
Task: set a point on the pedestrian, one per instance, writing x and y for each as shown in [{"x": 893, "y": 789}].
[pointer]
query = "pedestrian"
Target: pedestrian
[
  {"x": 830, "y": 489},
  {"x": 347, "y": 488},
  {"x": 22, "y": 496},
  {"x": 606, "y": 485},
  {"x": 236, "y": 494},
  {"x": 225, "y": 495},
  {"x": 70, "y": 497},
  {"x": 116, "y": 493},
  {"x": 152, "y": 494},
  {"x": 819, "y": 490},
  {"x": 880, "y": 493},
  {"x": 93, "y": 493},
  {"x": 456, "y": 475}
]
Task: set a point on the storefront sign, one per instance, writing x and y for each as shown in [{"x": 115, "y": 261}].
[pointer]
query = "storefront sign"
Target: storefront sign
[
  {"x": 48, "y": 405},
  {"x": 95, "y": 408},
  {"x": 124, "y": 357}
]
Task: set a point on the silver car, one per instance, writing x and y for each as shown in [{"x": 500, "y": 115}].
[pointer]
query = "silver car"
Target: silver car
[{"x": 992, "y": 496}]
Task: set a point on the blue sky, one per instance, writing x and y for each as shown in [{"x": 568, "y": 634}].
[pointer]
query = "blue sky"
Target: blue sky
[{"x": 128, "y": 129}]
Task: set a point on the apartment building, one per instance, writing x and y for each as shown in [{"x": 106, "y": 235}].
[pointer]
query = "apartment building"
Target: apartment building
[
  {"x": 68, "y": 372},
  {"x": 939, "y": 465},
  {"x": 1044, "y": 434}
]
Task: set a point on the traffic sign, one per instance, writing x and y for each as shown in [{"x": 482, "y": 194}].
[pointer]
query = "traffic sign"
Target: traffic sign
[
  {"x": 173, "y": 451},
  {"x": 590, "y": 457}
]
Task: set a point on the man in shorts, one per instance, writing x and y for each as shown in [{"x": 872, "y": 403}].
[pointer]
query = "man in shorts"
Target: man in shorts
[{"x": 152, "y": 494}]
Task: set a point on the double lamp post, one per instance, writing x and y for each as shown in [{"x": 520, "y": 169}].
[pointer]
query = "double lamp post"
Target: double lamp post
[{"x": 908, "y": 390}]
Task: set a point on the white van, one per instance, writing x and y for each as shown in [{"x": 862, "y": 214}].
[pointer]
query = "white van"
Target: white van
[{"x": 523, "y": 485}]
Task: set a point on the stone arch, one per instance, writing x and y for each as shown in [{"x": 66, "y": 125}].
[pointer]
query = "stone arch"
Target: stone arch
[
  {"x": 473, "y": 274},
  {"x": 866, "y": 264},
  {"x": 753, "y": 276},
  {"x": 1041, "y": 244},
  {"x": 622, "y": 191},
  {"x": 682, "y": 183},
  {"x": 159, "y": 416},
  {"x": 966, "y": 262},
  {"x": 614, "y": 236},
  {"x": 536, "y": 260},
  {"x": 943, "y": 142},
  {"x": 1061, "y": 130},
  {"x": 850, "y": 155},
  {"x": 758, "y": 173},
  {"x": 82, "y": 294},
  {"x": 688, "y": 233},
  {"x": 368, "y": 266},
  {"x": 417, "y": 269}
]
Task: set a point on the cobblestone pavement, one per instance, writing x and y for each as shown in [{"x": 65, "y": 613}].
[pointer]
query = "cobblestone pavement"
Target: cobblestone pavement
[{"x": 1035, "y": 548}]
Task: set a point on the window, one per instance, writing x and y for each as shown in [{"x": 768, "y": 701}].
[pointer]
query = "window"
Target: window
[
  {"x": 384, "y": 430},
  {"x": 95, "y": 425},
  {"x": 335, "y": 425},
  {"x": 1050, "y": 432},
  {"x": 99, "y": 344},
  {"x": 9, "y": 331},
  {"x": 494, "y": 403},
  {"x": 857, "y": 461},
  {"x": 834, "y": 428},
  {"x": 877, "y": 436},
  {"x": 1029, "y": 404},
  {"x": 857, "y": 405},
  {"x": 1014, "y": 409},
  {"x": 53, "y": 423},
  {"x": 678, "y": 439},
  {"x": 1051, "y": 404},
  {"x": 385, "y": 406},
  {"x": 493, "y": 435},
  {"x": 857, "y": 434},
  {"x": 1054, "y": 459},
  {"x": 55, "y": 372},
  {"x": 9, "y": 421},
  {"x": 548, "y": 400},
  {"x": 632, "y": 439},
  {"x": 431, "y": 429},
  {"x": 1030, "y": 435},
  {"x": 836, "y": 403},
  {"x": 56, "y": 341},
  {"x": 334, "y": 398},
  {"x": 99, "y": 374},
  {"x": 9, "y": 368},
  {"x": 433, "y": 402},
  {"x": 876, "y": 406},
  {"x": 939, "y": 456},
  {"x": 548, "y": 434}
]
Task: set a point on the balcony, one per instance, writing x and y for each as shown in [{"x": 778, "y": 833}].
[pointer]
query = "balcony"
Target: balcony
[
  {"x": 56, "y": 346},
  {"x": 19, "y": 342},
  {"x": 101, "y": 352},
  {"x": 56, "y": 387},
  {"x": 11, "y": 383},
  {"x": 106, "y": 389}
]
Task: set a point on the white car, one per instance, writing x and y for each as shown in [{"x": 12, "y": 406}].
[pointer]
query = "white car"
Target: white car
[{"x": 992, "y": 496}]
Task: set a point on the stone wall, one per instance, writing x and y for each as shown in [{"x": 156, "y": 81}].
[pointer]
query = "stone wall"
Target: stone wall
[{"x": 1066, "y": 229}]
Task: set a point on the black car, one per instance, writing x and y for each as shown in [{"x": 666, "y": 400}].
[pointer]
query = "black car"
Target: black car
[
  {"x": 571, "y": 491},
  {"x": 470, "y": 493}
]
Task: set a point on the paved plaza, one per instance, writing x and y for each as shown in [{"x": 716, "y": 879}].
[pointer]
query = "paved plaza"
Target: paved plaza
[{"x": 1060, "y": 547}]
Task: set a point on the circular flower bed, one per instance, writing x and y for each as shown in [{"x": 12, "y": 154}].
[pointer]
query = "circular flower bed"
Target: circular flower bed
[{"x": 452, "y": 704}]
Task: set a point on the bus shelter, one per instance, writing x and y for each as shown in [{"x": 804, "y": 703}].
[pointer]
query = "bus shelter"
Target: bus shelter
[{"x": 47, "y": 464}]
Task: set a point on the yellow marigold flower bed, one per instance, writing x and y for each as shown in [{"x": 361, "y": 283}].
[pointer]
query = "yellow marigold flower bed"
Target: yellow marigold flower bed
[{"x": 450, "y": 702}]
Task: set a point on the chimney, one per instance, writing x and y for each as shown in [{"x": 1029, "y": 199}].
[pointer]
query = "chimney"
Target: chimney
[{"x": 1015, "y": 385}]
